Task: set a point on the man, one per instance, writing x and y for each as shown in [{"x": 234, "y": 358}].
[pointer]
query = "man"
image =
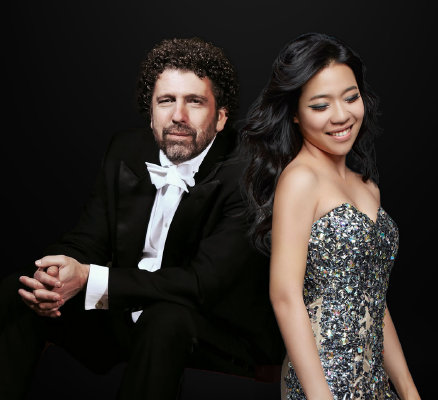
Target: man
[{"x": 161, "y": 245}]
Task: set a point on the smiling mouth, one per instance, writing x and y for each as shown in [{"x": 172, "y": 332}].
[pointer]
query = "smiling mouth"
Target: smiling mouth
[{"x": 345, "y": 132}]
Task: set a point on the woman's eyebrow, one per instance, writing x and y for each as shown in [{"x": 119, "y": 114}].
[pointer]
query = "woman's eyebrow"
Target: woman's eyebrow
[{"x": 321, "y": 96}]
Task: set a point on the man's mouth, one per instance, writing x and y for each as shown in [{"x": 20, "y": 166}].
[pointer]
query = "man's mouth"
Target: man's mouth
[
  {"x": 179, "y": 134},
  {"x": 342, "y": 133},
  {"x": 179, "y": 131}
]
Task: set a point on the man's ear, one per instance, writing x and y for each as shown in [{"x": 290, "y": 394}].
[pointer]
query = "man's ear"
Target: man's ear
[{"x": 221, "y": 119}]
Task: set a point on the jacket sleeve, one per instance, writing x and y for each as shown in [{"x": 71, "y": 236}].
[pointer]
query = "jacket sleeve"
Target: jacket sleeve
[{"x": 90, "y": 241}]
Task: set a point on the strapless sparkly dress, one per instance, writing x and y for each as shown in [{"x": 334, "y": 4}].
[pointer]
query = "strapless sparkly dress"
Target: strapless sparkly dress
[{"x": 348, "y": 265}]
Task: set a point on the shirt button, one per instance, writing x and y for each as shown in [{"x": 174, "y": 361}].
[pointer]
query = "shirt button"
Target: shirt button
[
  {"x": 166, "y": 224},
  {"x": 99, "y": 304}
]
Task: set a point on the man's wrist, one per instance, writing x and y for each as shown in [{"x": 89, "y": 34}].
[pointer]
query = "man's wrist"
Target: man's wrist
[{"x": 85, "y": 272}]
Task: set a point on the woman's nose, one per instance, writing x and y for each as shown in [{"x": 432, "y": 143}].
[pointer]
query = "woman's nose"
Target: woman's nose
[{"x": 339, "y": 114}]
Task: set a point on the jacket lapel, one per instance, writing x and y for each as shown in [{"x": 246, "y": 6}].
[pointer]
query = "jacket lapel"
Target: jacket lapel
[
  {"x": 185, "y": 231},
  {"x": 194, "y": 205},
  {"x": 221, "y": 148},
  {"x": 136, "y": 195}
]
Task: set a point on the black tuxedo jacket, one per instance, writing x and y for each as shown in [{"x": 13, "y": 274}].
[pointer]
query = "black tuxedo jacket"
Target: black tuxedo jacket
[{"x": 208, "y": 263}]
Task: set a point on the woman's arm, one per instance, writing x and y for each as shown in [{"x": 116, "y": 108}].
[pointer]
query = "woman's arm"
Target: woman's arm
[
  {"x": 395, "y": 363},
  {"x": 294, "y": 208}
]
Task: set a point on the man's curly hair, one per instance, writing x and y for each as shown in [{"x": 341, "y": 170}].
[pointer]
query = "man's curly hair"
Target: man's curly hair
[{"x": 197, "y": 56}]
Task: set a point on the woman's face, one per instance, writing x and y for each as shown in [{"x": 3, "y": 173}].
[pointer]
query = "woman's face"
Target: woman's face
[{"x": 330, "y": 110}]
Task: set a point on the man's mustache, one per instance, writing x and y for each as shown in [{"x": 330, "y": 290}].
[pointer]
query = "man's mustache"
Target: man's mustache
[{"x": 179, "y": 128}]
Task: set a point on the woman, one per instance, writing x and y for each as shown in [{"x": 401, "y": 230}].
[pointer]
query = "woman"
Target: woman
[{"x": 329, "y": 291}]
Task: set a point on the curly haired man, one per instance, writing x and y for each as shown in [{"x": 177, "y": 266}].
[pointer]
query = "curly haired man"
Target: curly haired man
[{"x": 158, "y": 271}]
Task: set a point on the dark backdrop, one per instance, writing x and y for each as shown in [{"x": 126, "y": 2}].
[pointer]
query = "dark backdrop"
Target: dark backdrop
[{"x": 69, "y": 77}]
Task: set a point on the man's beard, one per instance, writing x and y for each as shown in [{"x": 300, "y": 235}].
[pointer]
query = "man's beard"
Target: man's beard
[{"x": 178, "y": 151}]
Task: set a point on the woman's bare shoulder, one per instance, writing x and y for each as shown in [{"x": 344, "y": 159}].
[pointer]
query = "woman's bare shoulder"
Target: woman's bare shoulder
[
  {"x": 298, "y": 185},
  {"x": 299, "y": 176}
]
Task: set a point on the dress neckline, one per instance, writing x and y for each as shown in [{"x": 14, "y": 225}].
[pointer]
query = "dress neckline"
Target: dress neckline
[{"x": 357, "y": 210}]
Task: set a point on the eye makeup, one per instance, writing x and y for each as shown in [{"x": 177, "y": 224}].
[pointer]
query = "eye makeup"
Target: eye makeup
[{"x": 321, "y": 107}]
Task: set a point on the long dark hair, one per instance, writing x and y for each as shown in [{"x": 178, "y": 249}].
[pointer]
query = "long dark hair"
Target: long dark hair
[{"x": 271, "y": 140}]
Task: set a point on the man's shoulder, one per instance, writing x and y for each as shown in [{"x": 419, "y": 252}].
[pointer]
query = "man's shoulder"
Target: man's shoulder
[
  {"x": 128, "y": 138},
  {"x": 132, "y": 147},
  {"x": 229, "y": 167},
  {"x": 232, "y": 166},
  {"x": 134, "y": 142}
]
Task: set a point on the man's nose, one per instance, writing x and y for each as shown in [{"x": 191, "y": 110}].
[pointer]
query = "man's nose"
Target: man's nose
[{"x": 179, "y": 113}]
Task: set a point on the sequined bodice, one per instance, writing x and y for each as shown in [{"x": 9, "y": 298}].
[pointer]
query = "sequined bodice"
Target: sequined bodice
[{"x": 349, "y": 261}]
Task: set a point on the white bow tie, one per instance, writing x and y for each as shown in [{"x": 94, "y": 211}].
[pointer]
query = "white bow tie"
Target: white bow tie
[{"x": 172, "y": 175}]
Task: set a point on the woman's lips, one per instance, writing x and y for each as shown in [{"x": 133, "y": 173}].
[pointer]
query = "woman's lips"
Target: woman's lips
[{"x": 341, "y": 135}]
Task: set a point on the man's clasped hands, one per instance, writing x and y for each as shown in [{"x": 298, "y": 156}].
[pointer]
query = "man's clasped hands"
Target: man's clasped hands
[{"x": 57, "y": 279}]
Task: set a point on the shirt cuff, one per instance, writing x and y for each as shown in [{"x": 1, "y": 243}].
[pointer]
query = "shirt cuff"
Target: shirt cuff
[{"x": 96, "y": 294}]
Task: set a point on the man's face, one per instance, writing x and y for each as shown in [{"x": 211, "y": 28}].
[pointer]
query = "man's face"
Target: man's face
[{"x": 184, "y": 118}]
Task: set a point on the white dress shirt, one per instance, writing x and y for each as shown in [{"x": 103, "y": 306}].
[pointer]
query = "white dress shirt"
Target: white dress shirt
[{"x": 166, "y": 202}]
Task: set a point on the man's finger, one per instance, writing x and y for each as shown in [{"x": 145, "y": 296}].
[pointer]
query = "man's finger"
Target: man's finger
[
  {"x": 53, "y": 270},
  {"x": 28, "y": 297},
  {"x": 49, "y": 261},
  {"x": 48, "y": 306},
  {"x": 48, "y": 295},
  {"x": 53, "y": 313},
  {"x": 46, "y": 279},
  {"x": 31, "y": 282}
]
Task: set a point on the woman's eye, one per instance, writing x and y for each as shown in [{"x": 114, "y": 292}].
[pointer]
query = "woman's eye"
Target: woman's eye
[
  {"x": 319, "y": 107},
  {"x": 351, "y": 99}
]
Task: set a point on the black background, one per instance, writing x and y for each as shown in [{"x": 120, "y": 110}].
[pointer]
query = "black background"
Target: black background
[{"x": 69, "y": 77}]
